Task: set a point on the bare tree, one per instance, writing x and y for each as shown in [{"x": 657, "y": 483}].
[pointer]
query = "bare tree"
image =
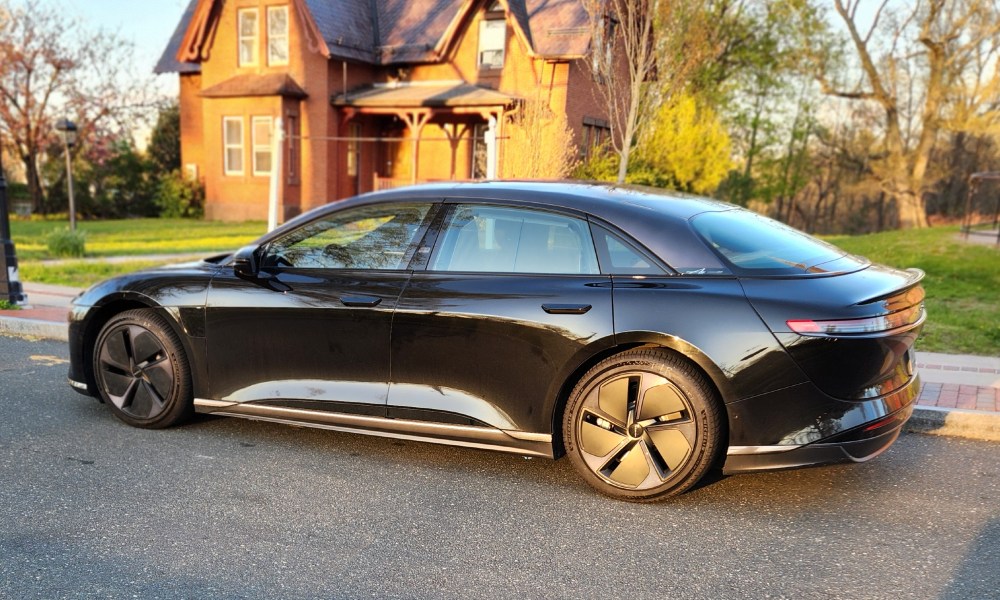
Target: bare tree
[
  {"x": 930, "y": 67},
  {"x": 540, "y": 145},
  {"x": 642, "y": 53},
  {"x": 50, "y": 69}
]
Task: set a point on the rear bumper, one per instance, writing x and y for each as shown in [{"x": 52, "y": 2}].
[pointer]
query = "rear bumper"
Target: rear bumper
[{"x": 845, "y": 432}]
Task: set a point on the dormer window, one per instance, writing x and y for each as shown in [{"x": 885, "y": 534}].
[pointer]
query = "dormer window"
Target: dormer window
[
  {"x": 492, "y": 37},
  {"x": 277, "y": 35},
  {"x": 248, "y": 23}
]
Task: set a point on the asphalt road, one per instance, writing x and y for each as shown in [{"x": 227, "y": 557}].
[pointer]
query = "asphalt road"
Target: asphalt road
[{"x": 224, "y": 508}]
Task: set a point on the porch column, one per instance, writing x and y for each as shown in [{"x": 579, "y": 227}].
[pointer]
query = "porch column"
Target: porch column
[
  {"x": 454, "y": 133},
  {"x": 490, "y": 138},
  {"x": 415, "y": 121},
  {"x": 277, "y": 153}
]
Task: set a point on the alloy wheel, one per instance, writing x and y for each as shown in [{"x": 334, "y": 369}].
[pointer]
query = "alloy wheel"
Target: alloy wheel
[
  {"x": 136, "y": 371},
  {"x": 636, "y": 430}
]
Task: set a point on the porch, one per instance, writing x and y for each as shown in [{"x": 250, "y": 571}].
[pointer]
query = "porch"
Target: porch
[{"x": 406, "y": 133}]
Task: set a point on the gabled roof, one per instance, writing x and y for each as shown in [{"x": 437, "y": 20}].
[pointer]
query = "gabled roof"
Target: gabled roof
[
  {"x": 168, "y": 62},
  {"x": 394, "y": 32}
]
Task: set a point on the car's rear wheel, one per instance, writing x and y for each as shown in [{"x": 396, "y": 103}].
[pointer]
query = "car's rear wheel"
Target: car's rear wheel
[
  {"x": 141, "y": 370},
  {"x": 642, "y": 425}
]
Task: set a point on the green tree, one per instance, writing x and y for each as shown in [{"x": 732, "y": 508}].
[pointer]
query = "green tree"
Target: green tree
[
  {"x": 164, "y": 148},
  {"x": 643, "y": 52},
  {"x": 51, "y": 68},
  {"x": 687, "y": 145}
]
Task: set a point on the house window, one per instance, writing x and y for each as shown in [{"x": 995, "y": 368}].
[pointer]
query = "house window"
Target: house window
[
  {"x": 353, "y": 150},
  {"x": 596, "y": 137},
  {"x": 232, "y": 141},
  {"x": 492, "y": 38},
  {"x": 249, "y": 36},
  {"x": 262, "y": 144},
  {"x": 277, "y": 35}
]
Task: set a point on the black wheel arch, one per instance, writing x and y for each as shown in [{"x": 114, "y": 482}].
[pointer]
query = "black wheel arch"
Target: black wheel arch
[{"x": 105, "y": 311}]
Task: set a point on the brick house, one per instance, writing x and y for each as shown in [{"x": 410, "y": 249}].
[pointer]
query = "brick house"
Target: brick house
[{"x": 370, "y": 93}]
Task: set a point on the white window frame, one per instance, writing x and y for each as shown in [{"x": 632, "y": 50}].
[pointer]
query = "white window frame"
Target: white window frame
[
  {"x": 227, "y": 146},
  {"x": 261, "y": 148},
  {"x": 253, "y": 38},
  {"x": 282, "y": 37},
  {"x": 487, "y": 37}
]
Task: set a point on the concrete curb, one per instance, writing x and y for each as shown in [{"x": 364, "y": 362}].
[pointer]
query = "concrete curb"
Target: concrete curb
[
  {"x": 972, "y": 424},
  {"x": 34, "y": 328}
]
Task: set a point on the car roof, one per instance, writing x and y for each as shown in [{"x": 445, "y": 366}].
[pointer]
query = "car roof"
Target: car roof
[
  {"x": 653, "y": 217},
  {"x": 592, "y": 197}
]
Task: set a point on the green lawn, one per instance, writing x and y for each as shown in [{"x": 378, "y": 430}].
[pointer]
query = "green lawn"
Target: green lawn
[
  {"x": 962, "y": 285},
  {"x": 130, "y": 237},
  {"x": 962, "y": 281},
  {"x": 127, "y": 237}
]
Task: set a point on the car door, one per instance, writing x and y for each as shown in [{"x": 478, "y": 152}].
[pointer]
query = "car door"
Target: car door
[
  {"x": 490, "y": 330},
  {"x": 312, "y": 329}
]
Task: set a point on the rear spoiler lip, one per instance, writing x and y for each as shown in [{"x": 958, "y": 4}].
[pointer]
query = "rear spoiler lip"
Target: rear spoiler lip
[{"x": 902, "y": 294}]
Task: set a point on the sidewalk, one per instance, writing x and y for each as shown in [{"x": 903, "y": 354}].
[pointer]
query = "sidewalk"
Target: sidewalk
[{"x": 960, "y": 395}]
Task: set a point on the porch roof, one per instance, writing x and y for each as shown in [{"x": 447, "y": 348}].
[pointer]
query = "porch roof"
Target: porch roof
[
  {"x": 272, "y": 84},
  {"x": 429, "y": 94}
]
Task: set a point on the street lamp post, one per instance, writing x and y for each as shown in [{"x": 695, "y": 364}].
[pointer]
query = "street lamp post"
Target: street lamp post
[
  {"x": 10, "y": 284},
  {"x": 68, "y": 130}
]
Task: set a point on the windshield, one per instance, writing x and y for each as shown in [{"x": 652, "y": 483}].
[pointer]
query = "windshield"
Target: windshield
[{"x": 756, "y": 245}]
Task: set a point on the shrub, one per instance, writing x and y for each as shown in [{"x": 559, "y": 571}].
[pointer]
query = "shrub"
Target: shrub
[
  {"x": 66, "y": 243},
  {"x": 177, "y": 196}
]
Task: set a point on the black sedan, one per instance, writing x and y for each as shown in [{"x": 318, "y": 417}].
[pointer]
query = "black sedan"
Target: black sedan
[{"x": 648, "y": 337}]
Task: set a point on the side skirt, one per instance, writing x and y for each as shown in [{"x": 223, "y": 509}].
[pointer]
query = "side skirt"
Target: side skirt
[{"x": 487, "y": 438}]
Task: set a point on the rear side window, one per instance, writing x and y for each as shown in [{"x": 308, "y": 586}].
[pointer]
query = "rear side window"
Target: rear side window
[
  {"x": 756, "y": 245},
  {"x": 489, "y": 239},
  {"x": 618, "y": 257}
]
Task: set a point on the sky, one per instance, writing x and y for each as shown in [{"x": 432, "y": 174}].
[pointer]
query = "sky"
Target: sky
[{"x": 146, "y": 23}]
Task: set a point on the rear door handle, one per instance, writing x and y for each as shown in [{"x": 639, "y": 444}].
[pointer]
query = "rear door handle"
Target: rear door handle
[
  {"x": 362, "y": 301},
  {"x": 566, "y": 309}
]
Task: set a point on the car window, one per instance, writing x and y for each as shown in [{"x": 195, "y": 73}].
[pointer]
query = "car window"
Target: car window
[
  {"x": 367, "y": 237},
  {"x": 619, "y": 257},
  {"x": 513, "y": 240},
  {"x": 757, "y": 245}
]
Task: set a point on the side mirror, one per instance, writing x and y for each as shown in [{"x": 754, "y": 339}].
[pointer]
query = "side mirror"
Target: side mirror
[{"x": 245, "y": 263}]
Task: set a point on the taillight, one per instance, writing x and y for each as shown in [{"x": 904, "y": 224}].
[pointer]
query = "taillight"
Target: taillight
[{"x": 893, "y": 321}]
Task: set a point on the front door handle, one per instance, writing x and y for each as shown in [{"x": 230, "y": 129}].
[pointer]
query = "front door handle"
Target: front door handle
[
  {"x": 362, "y": 301},
  {"x": 566, "y": 309}
]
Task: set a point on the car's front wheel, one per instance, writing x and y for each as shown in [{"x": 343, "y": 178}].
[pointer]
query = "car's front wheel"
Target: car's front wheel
[
  {"x": 642, "y": 425},
  {"x": 141, "y": 370}
]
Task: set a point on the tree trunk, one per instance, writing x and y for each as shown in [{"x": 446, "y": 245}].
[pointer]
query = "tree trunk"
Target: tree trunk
[
  {"x": 912, "y": 212},
  {"x": 35, "y": 190}
]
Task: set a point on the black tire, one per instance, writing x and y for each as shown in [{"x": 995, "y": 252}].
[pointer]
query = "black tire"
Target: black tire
[
  {"x": 141, "y": 370},
  {"x": 642, "y": 426}
]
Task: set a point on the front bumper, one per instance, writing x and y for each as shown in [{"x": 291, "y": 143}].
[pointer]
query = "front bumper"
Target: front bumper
[{"x": 77, "y": 355}]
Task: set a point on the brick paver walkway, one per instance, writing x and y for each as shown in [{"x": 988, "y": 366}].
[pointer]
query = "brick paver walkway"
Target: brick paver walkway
[{"x": 954, "y": 395}]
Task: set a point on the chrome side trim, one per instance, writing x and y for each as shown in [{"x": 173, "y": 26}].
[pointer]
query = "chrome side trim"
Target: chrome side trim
[
  {"x": 740, "y": 450},
  {"x": 211, "y": 404},
  {"x": 488, "y": 438},
  {"x": 78, "y": 385},
  {"x": 527, "y": 436}
]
